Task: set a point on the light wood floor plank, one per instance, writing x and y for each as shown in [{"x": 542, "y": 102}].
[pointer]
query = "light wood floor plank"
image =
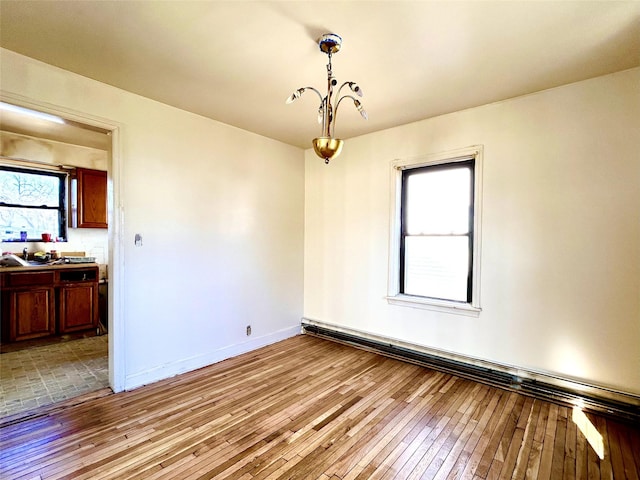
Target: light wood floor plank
[
  {"x": 569, "y": 467},
  {"x": 524, "y": 451},
  {"x": 557, "y": 458},
  {"x": 581, "y": 455}
]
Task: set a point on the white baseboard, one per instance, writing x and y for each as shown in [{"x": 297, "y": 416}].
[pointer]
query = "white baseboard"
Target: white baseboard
[{"x": 184, "y": 365}]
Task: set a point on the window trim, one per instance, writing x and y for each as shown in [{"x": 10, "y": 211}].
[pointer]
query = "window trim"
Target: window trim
[
  {"x": 62, "y": 198},
  {"x": 394, "y": 297}
]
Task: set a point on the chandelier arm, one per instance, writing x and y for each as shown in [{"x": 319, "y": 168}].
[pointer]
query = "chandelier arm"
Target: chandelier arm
[
  {"x": 342, "y": 98},
  {"x": 317, "y": 92},
  {"x": 335, "y": 112},
  {"x": 340, "y": 89},
  {"x": 323, "y": 109},
  {"x": 322, "y": 105}
]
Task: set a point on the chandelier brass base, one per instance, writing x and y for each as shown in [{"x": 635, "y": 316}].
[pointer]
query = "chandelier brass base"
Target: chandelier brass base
[{"x": 327, "y": 147}]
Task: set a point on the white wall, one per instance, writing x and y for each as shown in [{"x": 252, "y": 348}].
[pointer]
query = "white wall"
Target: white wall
[
  {"x": 221, "y": 215},
  {"x": 560, "y": 286}
]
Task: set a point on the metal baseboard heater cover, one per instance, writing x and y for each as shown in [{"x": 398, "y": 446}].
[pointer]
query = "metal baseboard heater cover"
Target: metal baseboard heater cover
[{"x": 628, "y": 412}]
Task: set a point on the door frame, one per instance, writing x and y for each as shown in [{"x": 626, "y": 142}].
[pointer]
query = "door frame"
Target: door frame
[{"x": 115, "y": 231}]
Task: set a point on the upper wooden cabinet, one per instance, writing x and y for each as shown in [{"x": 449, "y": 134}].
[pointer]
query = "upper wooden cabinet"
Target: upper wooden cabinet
[{"x": 89, "y": 199}]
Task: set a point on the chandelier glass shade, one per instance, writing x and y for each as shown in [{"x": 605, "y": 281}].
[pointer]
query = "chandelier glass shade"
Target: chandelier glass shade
[{"x": 327, "y": 146}]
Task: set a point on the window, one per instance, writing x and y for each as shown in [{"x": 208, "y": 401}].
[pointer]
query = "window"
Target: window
[
  {"x": 435, "y": 236},
  {"x": 31, "y": 201}
]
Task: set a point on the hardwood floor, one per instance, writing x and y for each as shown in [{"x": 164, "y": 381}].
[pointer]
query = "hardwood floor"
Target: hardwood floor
[{"x": 308, "y": 408}]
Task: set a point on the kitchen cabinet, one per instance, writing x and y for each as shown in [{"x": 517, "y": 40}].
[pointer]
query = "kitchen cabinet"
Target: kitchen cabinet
[
  {"x": 28, "y": 305},
  {"x": 45, "y": 301},
  {"x": 31, "y": 313},
  {"x": 77, "y": 306},
  {"x": 89, "y": 199}
]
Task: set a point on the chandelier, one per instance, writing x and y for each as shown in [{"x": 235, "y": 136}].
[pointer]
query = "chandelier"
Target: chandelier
[{"x": 327, "y": 146}]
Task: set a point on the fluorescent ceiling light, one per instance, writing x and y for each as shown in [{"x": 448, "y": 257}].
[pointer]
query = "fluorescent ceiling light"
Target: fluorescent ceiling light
[{"x": 31, "y": 113}]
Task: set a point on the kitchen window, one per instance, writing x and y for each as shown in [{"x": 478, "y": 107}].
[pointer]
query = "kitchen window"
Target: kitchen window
[
  {"x": 435, "y": 232},
  {"x": 31, "y": 201}
]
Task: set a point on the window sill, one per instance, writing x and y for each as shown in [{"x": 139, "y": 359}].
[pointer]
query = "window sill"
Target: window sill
[{"x": 435, "y": 305}]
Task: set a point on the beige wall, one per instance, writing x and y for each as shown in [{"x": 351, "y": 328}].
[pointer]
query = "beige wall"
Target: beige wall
[
  {"x": 220, "y": 211},
  {"x": 560, "y": 264}
]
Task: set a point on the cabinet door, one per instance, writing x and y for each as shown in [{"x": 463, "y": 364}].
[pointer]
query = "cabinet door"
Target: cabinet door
[
  {"x": 91, "y": 198},
  {"x": 78, "y": 307},
  {"x": 32, "y": 313}
]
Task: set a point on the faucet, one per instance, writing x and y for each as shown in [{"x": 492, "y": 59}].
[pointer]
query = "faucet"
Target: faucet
[{"x": 24, "y": 253}]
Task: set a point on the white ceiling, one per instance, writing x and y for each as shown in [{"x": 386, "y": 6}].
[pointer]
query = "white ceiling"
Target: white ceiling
[{"x": 238, "y": 61}]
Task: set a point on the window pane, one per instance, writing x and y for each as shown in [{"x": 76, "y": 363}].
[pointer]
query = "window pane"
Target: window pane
[
  {"x": 438, "y": 201},
  {"x": 436, "y": 267},
  {"x": 29, "y": 189},
  {"x": 34, "y": 221}
]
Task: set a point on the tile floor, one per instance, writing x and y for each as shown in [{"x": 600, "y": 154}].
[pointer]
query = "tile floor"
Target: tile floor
[{"x": 44, "y": 375}]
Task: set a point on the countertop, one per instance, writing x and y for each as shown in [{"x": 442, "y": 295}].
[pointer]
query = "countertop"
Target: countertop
[{"x": 60, "y": 266}]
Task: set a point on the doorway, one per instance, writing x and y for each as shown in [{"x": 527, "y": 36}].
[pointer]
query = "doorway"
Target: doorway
[{"x": 39, "y": 374}]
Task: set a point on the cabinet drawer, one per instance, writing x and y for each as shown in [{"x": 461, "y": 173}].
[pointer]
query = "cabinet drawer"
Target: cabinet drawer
[
  {"x": 28, "y": 278},
  {"x": 79, "y": 275}
]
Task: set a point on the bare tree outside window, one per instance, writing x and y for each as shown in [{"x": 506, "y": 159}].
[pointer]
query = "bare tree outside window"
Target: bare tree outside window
[{"x": 32, "y": 202}]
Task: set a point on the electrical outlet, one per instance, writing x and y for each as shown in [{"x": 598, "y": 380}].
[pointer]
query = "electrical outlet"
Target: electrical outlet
[{"x": 248, "y": 330}]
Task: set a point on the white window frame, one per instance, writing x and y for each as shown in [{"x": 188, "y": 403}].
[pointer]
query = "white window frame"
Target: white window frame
[{"x": 394, "y": 296}]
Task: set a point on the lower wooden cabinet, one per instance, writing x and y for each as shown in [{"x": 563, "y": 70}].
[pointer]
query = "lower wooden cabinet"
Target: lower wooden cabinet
[
  {"x": 31, "y": 313},
  {"x": 77, "y": 306},
  {"x": 41, "y": 303}
]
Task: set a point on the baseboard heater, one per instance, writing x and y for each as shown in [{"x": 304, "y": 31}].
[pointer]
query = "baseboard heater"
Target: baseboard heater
[{"x": 582, "y": 395}]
